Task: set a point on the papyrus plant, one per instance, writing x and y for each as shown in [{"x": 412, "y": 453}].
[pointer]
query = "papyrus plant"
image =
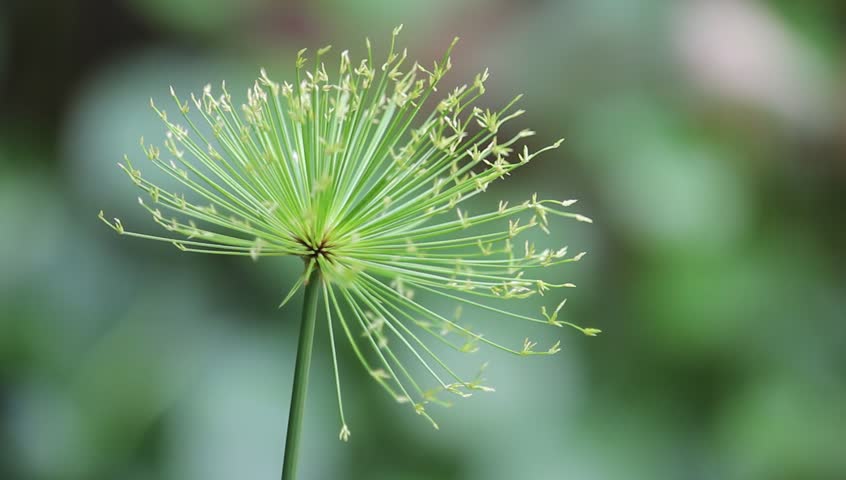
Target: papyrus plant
[{"x": 365, "y": 178}]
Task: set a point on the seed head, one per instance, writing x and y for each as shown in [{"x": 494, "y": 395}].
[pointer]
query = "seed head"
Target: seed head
[{"x": 353, "y": 177}]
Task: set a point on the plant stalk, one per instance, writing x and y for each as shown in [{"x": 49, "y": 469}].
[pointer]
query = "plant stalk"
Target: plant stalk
[{"x": 300, "y": 388}]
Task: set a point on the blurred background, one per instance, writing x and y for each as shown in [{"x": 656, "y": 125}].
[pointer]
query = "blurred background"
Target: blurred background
[{"x": 705, "y": 137}]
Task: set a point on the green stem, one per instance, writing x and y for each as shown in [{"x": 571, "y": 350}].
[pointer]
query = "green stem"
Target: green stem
[{"x": 298, "y": 396}]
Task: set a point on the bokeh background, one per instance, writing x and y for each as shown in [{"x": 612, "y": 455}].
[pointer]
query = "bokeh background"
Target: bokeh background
[{"x": 705, "y": 137}]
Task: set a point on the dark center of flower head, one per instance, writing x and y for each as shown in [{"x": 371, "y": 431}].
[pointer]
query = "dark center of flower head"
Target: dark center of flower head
[{"x": 317, "y": 249}]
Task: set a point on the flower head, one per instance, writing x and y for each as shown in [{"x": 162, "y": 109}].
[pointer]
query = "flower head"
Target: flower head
[{"x": 354, "y": 178}]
